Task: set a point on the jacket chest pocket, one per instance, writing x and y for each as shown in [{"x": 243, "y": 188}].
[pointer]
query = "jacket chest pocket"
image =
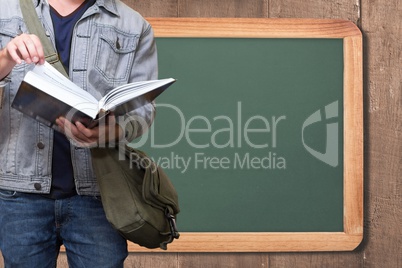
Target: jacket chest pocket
[{"x": 115, "y": 54}]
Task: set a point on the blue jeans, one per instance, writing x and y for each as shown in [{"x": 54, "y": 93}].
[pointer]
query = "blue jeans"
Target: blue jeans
[{"x": 33, "y": 227}]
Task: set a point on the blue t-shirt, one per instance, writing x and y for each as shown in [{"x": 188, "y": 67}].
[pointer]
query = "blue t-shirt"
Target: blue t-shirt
[{"x": 62, "y": 170}]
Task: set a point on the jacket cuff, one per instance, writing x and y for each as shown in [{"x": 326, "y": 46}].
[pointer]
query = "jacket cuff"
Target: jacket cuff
[{"x": 137, "y": 122}]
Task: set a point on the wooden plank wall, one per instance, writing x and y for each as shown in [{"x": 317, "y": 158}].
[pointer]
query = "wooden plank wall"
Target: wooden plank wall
[{"x": 380, "y": 22}]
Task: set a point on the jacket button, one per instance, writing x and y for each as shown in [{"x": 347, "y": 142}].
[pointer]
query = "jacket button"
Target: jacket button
[
  {"x": 40, "y": 145},
  {"x": 37, "y": 186}
]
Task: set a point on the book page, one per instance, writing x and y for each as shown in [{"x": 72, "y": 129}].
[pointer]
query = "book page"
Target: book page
[
  {"x": 52, "y": 75},
  {"x": 136, "y": 90},
  {"x": 47, "y": 79}
]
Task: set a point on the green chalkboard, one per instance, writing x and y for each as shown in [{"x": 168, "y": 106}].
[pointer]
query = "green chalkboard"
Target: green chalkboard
[{"x": 252, "y": 133}]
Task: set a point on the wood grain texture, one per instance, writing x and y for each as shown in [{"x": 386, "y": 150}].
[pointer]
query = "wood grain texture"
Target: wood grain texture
[
  {"x": 261, "y": 242},
  {"x": 343, "y": 9},
  {"x": 145, "y": 260},
  {"x": 353, "y": 135},
  {"x": 223, "y": 8},
  {"x": 382, "y": 24},
  {"x": 316, "y": 260},
  {"x": 166, "y": 8},
  {"x": 223, "y": 260},
  {"x": 253, "y": 28}
]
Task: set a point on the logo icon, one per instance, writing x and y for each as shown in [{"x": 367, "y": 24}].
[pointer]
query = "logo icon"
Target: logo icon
[{"x": 330, "y": 156}]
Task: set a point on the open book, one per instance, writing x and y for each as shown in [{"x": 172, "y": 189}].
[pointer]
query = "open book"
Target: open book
[{"x": 45, "y": 94}]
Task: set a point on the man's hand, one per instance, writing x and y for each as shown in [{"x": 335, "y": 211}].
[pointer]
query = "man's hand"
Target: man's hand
[
  {"x": 108, "y": 131},
  {"x": 26, "y": 47}
]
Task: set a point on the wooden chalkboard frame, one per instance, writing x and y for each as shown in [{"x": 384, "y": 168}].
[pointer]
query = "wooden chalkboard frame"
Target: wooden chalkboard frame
[{"x": 352, "y": 234}]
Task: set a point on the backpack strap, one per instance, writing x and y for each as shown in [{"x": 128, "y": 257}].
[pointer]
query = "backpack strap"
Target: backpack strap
[{"x": 35, "y": 27}]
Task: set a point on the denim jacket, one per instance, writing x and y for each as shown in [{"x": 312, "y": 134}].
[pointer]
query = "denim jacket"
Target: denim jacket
[{"x": 111, "y": 45}]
